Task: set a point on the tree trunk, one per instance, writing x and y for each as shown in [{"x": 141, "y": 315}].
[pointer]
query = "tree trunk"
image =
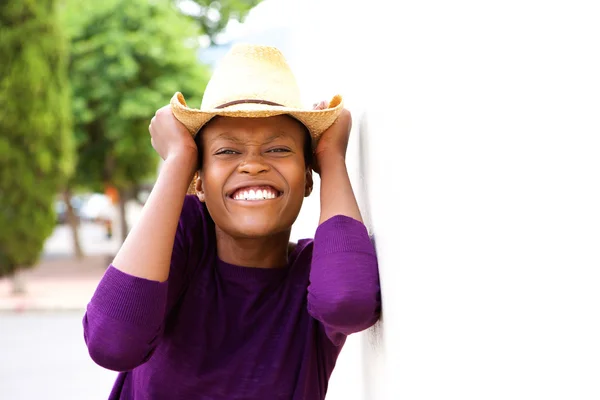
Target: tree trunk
[
  {"x": 73, "y": 222},
  {"x": 123, "y": 214},
  {"x": 18, "y": 283}
]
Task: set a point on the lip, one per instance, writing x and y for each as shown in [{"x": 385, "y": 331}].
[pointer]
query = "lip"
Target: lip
[{"x": 241, "y": 185}]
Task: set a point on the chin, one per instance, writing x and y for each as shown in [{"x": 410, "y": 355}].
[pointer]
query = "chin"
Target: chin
[
  {"x": 255, "y": 222},
  {"x": 255, "y": 227}
]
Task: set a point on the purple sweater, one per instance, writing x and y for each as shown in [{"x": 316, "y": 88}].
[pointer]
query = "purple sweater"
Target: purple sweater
[{"x": 223, "y": 332}]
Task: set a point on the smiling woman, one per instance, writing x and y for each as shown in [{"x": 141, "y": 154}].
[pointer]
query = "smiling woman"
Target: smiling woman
[
  {"x": 207, "y": 298},
  {"x": 240, "y": 154}
]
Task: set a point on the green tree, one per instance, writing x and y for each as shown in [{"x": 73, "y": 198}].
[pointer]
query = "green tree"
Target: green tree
[
  {"x": 36, "y": 148},
  {"x": 128, "y": 57},
  {"x": 213, "y": 16}
]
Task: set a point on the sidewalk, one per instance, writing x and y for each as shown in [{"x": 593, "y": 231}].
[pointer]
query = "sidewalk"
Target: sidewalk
[{"x": 57, "y": 284}]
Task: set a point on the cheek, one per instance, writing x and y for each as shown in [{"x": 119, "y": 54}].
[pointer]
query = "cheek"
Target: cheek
[
  {"x": 296, "y": 179},
  {"x": 213, "y": 180}
]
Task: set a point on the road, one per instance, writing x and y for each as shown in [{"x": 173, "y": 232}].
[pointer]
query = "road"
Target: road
[
  {"x": 92, "y": 238},
  {"x": 43, "y": 356}
]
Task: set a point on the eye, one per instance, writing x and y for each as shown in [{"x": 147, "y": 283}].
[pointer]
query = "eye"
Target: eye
[
  {"x": 226, "y": 152},
  {"x": 279, "y": 150}
]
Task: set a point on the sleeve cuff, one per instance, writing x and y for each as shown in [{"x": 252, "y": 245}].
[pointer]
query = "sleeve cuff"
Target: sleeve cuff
[
  {"x": 342, "y": 234},
  {"x": 130, "y": 299}
]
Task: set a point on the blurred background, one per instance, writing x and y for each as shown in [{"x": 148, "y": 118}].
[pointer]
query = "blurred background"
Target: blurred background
[
  {"x": 80, "y": 82},
  {"x": 474, "y": 157}
]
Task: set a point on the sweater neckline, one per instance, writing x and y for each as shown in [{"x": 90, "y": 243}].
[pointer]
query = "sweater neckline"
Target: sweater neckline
[{"x": 237, "y": 272}]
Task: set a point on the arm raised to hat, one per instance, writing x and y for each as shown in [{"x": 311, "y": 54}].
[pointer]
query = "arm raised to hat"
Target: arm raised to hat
[
  {"x": 146, "y": 252},
  {"x": 337, "y": 196},
  {"x": 124, "y": 318},
  {"x": 343, "y": 293}
]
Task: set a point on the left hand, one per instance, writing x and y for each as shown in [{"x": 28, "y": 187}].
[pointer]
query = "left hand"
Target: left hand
[{"x": 334, "y": 141}]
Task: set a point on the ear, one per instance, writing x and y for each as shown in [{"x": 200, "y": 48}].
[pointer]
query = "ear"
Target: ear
[
  {"x": 309, "y": 182},
  {"x": 199, "y": 187}
]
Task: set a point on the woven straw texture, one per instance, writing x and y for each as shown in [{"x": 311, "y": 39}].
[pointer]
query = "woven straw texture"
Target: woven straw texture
[{"x": 252, "y": 74}]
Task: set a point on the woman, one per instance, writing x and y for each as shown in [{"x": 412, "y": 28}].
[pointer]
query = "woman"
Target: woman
[{"x": 207, "y": 299}]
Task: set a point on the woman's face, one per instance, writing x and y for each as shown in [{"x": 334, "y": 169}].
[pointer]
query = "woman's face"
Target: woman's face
[{"x": 253, "y": 176}]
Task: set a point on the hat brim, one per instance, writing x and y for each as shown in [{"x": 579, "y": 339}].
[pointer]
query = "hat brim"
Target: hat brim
[{"x": 316, "y": 121}]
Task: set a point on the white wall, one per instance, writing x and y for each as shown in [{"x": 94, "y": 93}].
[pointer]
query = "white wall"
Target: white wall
[{"x": 476, "y": 158}]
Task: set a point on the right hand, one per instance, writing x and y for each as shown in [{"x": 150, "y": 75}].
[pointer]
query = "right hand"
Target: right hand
[{"x": 170, "y": 138}]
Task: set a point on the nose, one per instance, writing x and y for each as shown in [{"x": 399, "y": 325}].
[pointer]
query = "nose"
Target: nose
[{"x": 253, "y": 164}]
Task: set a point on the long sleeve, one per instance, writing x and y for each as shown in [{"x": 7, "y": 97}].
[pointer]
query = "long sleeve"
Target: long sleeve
[
  {"x": 125, "y": 317},
  {"x": 343, "y": 293}
]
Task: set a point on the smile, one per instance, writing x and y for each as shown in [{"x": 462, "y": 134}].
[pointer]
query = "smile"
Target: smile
[{"x": 254, "y": 193}]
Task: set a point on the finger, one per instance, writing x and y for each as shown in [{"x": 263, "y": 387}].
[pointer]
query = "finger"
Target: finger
[
  {"x": 152, "y": 122},
  {"x": 166, "y": 110},
  {"x": 321, "y": 105}
]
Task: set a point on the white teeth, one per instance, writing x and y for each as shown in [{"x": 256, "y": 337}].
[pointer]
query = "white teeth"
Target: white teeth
[{"x": 260, "y": 194}]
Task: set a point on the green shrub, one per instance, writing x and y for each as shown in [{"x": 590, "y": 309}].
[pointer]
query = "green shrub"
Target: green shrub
[{"x": 36, "y": 154}]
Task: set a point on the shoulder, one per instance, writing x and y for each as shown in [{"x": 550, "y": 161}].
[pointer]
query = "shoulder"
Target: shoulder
[
  {"x": 195, "y": 224},
  {"x": 301, "y": 254},
  {"x": 193, "y": 245},
  {"x": 194, "y": 212},
  {"x": 303, "y": 246}
]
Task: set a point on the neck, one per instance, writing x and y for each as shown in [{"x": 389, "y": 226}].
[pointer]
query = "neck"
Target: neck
[{"x": 264, "y": 252}]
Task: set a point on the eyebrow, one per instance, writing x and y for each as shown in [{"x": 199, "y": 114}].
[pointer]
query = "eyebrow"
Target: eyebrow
[{"x": 225, "y": 136}]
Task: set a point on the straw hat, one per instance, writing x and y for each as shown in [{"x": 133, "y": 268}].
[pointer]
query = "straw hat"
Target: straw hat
[{"x": 254, "y": 81}]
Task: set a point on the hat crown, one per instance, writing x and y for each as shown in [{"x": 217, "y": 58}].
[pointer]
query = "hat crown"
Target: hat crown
[{"x": 252, "y": 73}]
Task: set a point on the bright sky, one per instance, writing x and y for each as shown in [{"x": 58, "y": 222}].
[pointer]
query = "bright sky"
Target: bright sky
[
  {"x": 266, "y": 15},
  {"x": 324, "y": 41}
]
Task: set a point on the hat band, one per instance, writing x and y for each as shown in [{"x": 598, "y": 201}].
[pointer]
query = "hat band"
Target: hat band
[{"x": 232, "y": 103}]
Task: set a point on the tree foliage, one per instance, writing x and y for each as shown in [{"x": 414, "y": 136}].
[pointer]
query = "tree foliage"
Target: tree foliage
[
  {"x": 128, "y": 57},
  {"x": 213, "y": 16},
  {"x": 36, "y": 153}
]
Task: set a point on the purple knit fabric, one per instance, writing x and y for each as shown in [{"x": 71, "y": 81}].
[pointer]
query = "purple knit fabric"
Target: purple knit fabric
[{"x": 223, "y": 332}]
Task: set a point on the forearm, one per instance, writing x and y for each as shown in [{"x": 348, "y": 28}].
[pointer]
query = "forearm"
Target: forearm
[
  {"x": 337, "y": 196},
  {"x": 146, "y": 252}
]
